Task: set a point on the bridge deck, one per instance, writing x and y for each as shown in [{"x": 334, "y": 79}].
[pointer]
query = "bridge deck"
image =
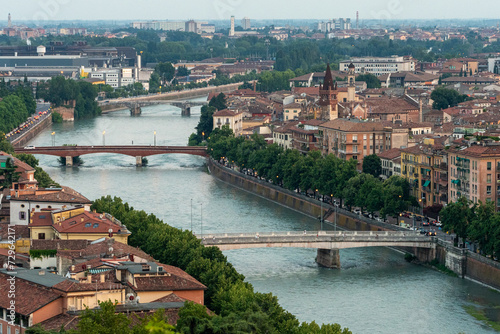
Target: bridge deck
[
  {"x": 321, "y": 239},
  {"x": 131, "y": 150}
]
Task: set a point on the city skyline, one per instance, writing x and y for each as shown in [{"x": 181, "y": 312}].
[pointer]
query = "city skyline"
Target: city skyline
[{"x": 40, "y": 11}]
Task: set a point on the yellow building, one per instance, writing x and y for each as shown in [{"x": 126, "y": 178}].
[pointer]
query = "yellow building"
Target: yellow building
[
  {"x": 426, "y": 169},
  {"x": 76, "y": 224}
]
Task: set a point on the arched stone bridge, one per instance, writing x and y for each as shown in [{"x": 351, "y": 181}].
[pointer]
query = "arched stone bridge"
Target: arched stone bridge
[
  {"x": 137, "y": 151},
  {"x": 327, "y": 242}
]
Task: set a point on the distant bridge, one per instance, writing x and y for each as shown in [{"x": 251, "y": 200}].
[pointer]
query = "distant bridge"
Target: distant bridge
[
  {"x": 135, "y": 106},
  {"x": 175, "y": 98},
  {"x": 136, "y": 151},
  {"x": 327, "y": 242}
]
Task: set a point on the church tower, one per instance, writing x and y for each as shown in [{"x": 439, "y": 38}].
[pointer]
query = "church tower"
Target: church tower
[
  {"x": 9, "y": 21},
  {"x": 328, "y": 97},
  {"x": 351, "y": 83}
]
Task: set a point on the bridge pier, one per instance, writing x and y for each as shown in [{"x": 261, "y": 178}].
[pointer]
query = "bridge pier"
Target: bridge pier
[
  {"x": 135, "y": 110},
  {"x": 186, "y": 110},
  {"x": 329, "y": 258},
  {"x": 138, "y": 161},
  {"x": 69, "y": 161}
]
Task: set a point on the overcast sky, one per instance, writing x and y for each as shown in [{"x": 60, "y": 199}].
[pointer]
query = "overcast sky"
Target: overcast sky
[{"x": 41, "y": 10}]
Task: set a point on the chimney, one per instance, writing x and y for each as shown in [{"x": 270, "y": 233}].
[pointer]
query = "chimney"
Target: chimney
[
  {"x": 73, "y": 268},
  {"x": 103, "y": 278},
  {"x": 89, "y": 278},
  {"x": 421, "y": 116}
]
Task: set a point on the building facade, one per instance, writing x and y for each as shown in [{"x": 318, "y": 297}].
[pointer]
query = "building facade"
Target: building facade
[{"x": 379, "y": 65}]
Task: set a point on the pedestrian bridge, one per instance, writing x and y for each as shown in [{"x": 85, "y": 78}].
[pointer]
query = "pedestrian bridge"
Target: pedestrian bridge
[
  {"x": 327, "y": 242},
  {"x": 137, "y": 151}
]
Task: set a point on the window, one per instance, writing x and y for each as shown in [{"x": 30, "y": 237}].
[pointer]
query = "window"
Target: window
[
  {"x": 96, "y": 225},
  {"x": 488, "y": 190},
  {"x": 355, "y": 148},
  {"x": 22, "y": 215},
  {"x": 488, "y": 165},
  {"x": 355, "y": 157},
  {"x": 88, "y": 224},
  {"x": 355, "y": 138},
  {"x": 488, "y": 178},
  {"x": 41, "y": 236},
  {"x": 22, "y": 205},
  {"x": 38, "y": 206}
]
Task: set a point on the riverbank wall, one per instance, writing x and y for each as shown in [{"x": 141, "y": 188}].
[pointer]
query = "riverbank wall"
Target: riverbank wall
[
  {"x": 461, "y": 261},
  {"x": 32, "y": 132}
]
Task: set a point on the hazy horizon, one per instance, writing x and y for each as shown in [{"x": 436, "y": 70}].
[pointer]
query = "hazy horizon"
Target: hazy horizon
[{"x": 127, "y": 10}]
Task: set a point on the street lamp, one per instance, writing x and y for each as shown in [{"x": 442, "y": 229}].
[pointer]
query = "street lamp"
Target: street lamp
[
  {"x": 104, "y": 138},
  {"x": 155, "y": 137},
  {"x": 53, "y": 134},
  {"x": 202, "y": 136}
]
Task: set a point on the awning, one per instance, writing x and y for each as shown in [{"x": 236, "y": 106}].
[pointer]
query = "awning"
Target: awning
[{"x": 427, "y": 183}]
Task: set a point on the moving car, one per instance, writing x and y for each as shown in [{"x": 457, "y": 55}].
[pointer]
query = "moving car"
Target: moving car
[{"x": 29, "y": 147}]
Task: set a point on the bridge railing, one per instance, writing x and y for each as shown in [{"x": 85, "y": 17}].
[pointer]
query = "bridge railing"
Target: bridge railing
[
  {"x": 321, "y": 236},
  {"x": 314, "y": 233}
]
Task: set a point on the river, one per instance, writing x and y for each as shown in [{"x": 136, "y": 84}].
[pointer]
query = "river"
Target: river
[{"x": 376, "y": 291}]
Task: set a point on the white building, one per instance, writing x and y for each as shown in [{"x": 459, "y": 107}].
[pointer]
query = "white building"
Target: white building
[
  {"x": 230, "y": 118},
  {"x": 115, "y": 77},
  {"x": 231, "y": 30},
  {"x": 22, "y": 206},
  {"x": 379, "y": 65},
  {"x": 245, "y": 23}
]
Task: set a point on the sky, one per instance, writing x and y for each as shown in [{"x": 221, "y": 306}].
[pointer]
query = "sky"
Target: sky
[{"x": 43, "y": 10}]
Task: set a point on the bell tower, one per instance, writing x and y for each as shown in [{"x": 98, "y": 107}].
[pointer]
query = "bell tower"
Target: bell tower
[
  {"x": 351, "y": 83},
  {"x": 328, "y": 97}
]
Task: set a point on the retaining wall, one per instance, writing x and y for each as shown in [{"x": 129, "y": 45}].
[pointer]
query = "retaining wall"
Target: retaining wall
[{"x": 32, "y": 132}]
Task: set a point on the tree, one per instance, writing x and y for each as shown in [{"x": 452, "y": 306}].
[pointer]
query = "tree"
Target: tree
[
  {"x": 166, "y": 71},
  {"x": 456, "y": 217},
  {"x": 103, "y": 321},
  {"x": 372, "y": 165},
  {"x": 8, "y": 174},
  {"x": 444, "y": 98},
  {"x": 371, "y": 80},
  {"x": 182, "y": 71},
  {"x": 218, "y": 102}
]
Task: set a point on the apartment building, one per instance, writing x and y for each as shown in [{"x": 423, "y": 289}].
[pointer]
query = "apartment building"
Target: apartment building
[
  {"x": 379, "y": 65},
  {"x": 425, "y": 167},
  {"x": 354, "y": 139},
  {"x": 475, "y": 173},
  {"x": 233, "y": 119}
]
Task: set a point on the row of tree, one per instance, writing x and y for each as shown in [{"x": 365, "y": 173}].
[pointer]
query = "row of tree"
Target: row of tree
[
  {"x": 16, "y": 106},
  {"x": 238, "y": 308},
  {"x": 67, "y": 92},
  {"x": 476, "y": 222},
  {"x": 323, "y": 175}
]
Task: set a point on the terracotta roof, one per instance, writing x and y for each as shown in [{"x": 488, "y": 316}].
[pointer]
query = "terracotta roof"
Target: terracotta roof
[
  {"x": 225, "y": 112},
  {"x": 388, "y": 105},
  {"x": 171, "y": 298},
  {"x": 59, "y": 244},
  {"x": 64, "y": 320},
  {"x": 347, "y": 125},
  {"x": 26, "y": 293},
  {"x": 170, "y": 282},
  {"x": 390, "y": 154},
  {"x": 21, "y": 166},
  {"x": 306, "y": 90},
  {"x": 21, "y": 231},
  {"x": 477, "y": 151},
  {"x": 89, "y": 222},
  {"x": 71, "y": 286},
  {"x": 59, "y": 195},
  {"x": 101, "y": 249}
]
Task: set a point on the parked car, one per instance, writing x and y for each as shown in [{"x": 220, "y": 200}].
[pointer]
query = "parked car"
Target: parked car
[
  {"x": 425, "y": 223},
  {"x": 357, "y": 211}
]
